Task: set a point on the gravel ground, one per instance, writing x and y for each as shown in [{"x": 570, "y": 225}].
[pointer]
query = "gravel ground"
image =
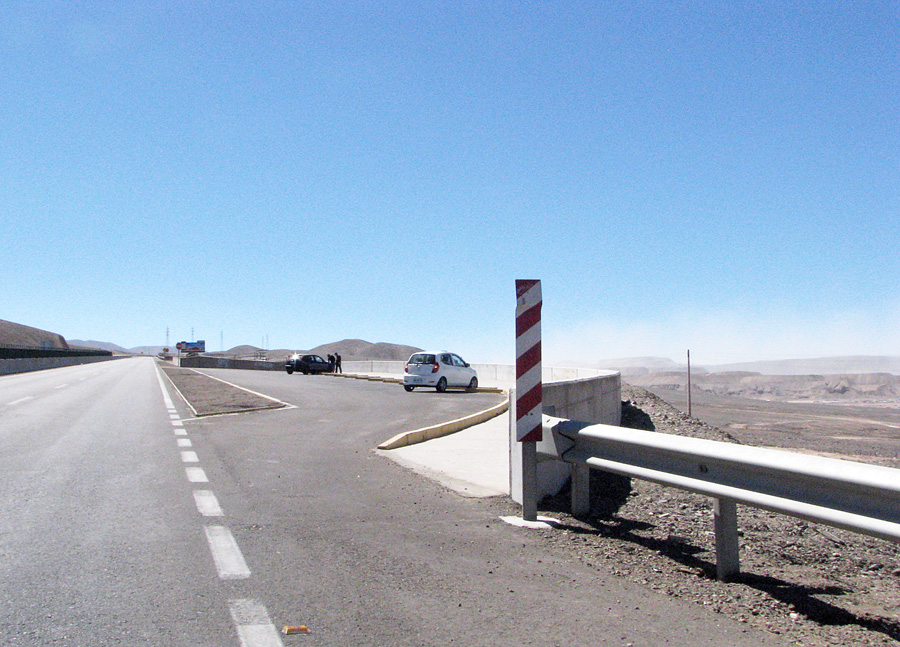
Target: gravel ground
[
  {"x": 209, "y": 396},
  {"x": 812, "y": 584}
]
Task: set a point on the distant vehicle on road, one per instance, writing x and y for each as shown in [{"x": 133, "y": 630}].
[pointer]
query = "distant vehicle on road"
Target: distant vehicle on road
[
  {"x": 307, "y": 364},
  {"x": 440, "y": 370}
]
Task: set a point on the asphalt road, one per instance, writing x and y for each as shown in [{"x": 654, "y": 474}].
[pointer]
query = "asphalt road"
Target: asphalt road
[{"x": 124, "y": 521}]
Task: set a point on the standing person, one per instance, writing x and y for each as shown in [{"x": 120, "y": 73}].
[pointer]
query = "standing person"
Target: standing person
[{"x": 337, "y": 363}]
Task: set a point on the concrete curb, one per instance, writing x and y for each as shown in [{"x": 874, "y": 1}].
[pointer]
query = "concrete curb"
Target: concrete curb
[{"x": 444, "y": 429}]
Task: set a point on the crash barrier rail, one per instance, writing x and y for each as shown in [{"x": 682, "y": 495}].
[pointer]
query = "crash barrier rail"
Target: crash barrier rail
[
  {"x": 27, "y": 352},
  {"x": 854, "y": 496},
  {"x": 29, "y": 364}
]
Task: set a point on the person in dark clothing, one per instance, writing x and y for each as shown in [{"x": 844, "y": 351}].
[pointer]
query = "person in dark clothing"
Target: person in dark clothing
[
  {"x": 331, "y": 362},
  {"x": 337, "y": 363}
]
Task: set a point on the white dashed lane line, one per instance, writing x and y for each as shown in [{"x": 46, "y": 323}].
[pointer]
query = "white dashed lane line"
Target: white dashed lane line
[
  {"x": 226, "y": 554},
  {"x": 254, "y": 627},
  {"x": 251, "y": 619},
  {"x": 20, "y": 401},
  {"x": 196, "y": 475},
  {"x": 207, "y": 503}
]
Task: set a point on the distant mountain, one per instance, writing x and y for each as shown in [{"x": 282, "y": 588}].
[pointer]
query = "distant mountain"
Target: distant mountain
[
  {"x": 149, "y": 350},
  {"x": 350, "y": 350},
  {"x": 639, "y": 365},
  {"x": 817, "y": 366},
  {"x": 853, "y": 364},
  {"x": 357, "y": 349},
  {"x": 13, "y": 334},
  {"x": 102, "y": 345}
]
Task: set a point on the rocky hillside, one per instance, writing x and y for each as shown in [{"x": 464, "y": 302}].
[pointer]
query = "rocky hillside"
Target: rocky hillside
[
  {"x": 13, "y": 334},
  {"x": 357, "y": 349}
]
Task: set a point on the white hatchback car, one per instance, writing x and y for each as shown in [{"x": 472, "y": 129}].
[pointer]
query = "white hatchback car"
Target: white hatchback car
[{"x": 440, "y": 370}]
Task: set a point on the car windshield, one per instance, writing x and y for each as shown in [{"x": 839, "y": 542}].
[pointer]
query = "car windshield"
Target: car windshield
[{"x": 422, "y": 358}]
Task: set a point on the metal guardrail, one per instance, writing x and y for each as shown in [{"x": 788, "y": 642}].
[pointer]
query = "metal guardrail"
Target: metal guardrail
[
  {"x": 8, "y": 351},
  {"x": 855, "y": 496}
]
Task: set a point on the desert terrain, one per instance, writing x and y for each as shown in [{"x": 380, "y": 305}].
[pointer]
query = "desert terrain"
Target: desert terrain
[{"x": 856, "y": 417}]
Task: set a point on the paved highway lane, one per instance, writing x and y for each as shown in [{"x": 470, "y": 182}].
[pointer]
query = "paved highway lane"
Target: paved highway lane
[{"x": 99, "y": 540}]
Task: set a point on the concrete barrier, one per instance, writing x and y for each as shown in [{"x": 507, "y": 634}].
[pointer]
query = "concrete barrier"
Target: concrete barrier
[
  {"x": 595, "y": 398},
  {"x": 379, "y": 366},
  {"x": 25, "y": 365}
]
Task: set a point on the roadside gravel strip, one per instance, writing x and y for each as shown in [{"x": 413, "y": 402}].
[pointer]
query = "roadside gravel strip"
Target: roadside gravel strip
[{"x": 208, "y": 396}]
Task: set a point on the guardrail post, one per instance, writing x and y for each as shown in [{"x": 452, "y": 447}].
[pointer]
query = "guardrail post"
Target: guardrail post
[
  {"x": 581, "y": 488},
  {"x": 529, "y": 482},
  {"x": 728, "y": 559}
]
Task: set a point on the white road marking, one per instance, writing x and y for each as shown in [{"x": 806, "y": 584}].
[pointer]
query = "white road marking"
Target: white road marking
[
  {"x": 207, "y": 504},
  {"x": 183, "y": 442},
  {"x": 166, "y": 399},
  {"x": 180, "y": 432},
  {"x": 229, "y": 560},
  {"x": 20, "y": 401},
  {"x": 542, "y": 522},
  {"x": 196, "y": 475},
  {"x": 177, "y": 423},
  {"x": 254, "y": 627},
  {"x": 61, "y": 386},
  {"x": 189, "y": 457}
]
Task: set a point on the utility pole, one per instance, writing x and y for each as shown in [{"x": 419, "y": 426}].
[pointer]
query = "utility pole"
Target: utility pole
[{"x": 689, "y": 383}]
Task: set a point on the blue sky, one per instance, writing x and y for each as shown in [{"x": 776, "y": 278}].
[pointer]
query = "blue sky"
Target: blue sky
[{"x": 717, "y": 176}]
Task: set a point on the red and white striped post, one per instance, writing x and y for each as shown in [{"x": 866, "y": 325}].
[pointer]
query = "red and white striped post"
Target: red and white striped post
[
  {"x": 529, "y": 392},
  {"x": 529, "y": 388}
]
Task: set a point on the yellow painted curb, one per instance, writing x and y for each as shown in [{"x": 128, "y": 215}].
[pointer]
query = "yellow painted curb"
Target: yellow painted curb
[{"x": 445, "y": 429}]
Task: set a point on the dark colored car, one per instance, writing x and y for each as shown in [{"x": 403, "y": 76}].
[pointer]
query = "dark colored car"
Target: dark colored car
[{"x": 307, "y": 364}]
